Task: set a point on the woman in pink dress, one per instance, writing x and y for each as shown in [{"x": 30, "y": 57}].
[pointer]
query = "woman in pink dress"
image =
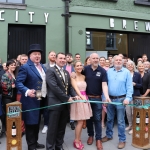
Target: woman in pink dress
[{"x": 79, "y": 111}]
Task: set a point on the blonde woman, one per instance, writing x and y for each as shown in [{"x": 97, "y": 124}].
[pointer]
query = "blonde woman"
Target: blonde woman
[
  {"x": 79, "y": 111},
  {"x": 137, "y": 85}
]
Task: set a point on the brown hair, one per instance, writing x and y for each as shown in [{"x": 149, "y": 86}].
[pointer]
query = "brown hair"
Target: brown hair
[
  {"x": 85, "y": 62},
  {"x": 59, "y": 53},
  {"x": 144, "y": 55}
]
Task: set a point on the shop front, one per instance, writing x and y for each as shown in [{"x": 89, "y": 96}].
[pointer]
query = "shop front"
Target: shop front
[{"x": 109, "y": 32}]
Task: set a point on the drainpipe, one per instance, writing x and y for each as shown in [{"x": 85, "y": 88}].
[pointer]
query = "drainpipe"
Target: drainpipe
[{"x": 66, "y": 15}]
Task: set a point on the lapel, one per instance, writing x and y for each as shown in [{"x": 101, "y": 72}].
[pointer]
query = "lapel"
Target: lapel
[
  {"x": 48, "y": 65},
  {"x": 72, "y": 68},
  {"x": 33, "y": 68},
  {"x": 134, "y": 77},
  {"x": 66, "y": 77},
  {"x": 43, "y": 67},
  {"x": 64, "y": 83}
]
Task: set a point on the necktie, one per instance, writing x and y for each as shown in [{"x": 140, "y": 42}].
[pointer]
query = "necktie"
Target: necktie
[
  {"x": 39, "y": 66},
  {"x": 62, "y": 73}
]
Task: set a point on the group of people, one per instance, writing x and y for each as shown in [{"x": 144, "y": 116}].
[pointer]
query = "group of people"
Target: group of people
[{"x": 62, "y": 80}]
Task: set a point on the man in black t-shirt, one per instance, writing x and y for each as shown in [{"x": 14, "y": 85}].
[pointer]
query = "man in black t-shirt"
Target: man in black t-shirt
[{"x": 96, "y": 79}]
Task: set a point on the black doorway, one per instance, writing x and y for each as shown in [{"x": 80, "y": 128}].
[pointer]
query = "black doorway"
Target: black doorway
[
  {"x": 20, "y": 37},
  {"x": 138, "y": 45}
]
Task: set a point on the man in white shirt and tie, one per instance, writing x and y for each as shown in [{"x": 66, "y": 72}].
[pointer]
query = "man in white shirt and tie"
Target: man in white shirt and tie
[{"x": 30, "y": 80}]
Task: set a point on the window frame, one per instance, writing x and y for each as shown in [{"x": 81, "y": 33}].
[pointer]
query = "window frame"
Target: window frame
[
  {"x": 6, "y": 2},
  {"x": 140, "y": 2},
  {"x": 110, "y": 0}
]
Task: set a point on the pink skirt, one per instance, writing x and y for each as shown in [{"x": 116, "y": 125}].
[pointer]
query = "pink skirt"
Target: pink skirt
[{"x": 81, "y": 111}]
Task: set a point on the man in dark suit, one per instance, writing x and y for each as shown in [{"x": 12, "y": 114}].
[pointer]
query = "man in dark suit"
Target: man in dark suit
[
  {"x": 59, "y": 91},
  {"x": 31, "y": 79},
  {"x": 51, "y": 63},
  {"x": 69, "y": 67}
]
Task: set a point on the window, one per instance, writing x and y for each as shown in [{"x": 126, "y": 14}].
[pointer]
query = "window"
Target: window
[
  {"x": 142, "y": 2},
  {"x": 89, "y": 40},
  {"x": 13, "y": 1},
  {"x": 110, "y": 41},
  {"x": 113, "y": 43}
]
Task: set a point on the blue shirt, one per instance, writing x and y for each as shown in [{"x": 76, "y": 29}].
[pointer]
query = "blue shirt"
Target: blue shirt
[
  {"x": 94, "y": 79},
  {"x": 120, "y": 83}
]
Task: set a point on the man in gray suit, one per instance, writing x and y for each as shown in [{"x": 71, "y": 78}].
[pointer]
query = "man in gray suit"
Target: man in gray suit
[
  {"x": 59, "y": 91},
  {"x": 51, "y": 63},
  {"x": 51, "y": 58}
]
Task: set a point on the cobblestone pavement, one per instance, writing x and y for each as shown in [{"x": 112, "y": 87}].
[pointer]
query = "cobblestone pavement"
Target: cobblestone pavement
[{"x": 69, "y": 137}]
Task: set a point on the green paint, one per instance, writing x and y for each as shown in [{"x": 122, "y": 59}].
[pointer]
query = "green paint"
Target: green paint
[
  {"x": 55, "y": 35},
  {"x": 84, "y": 14}
]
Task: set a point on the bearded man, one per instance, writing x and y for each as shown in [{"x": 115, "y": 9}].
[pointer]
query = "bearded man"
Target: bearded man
[
  {"x": 51, "y": 58},
  {"x": 120, "y": 89}
]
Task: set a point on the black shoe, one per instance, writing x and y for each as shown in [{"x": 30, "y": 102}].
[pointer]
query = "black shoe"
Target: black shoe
[
  {"x": 72, "y": 125},
  {"x": 39, "y": 146},
  {"x": 56, "y": 148},
  {"x": 32, "y": 149}
]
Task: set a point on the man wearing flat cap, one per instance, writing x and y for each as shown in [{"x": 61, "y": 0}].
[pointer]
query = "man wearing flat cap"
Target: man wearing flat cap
[{"x": 31, "y": 83}]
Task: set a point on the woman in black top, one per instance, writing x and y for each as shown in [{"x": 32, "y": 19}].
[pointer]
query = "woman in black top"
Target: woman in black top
[
  {"x": 8, "y": 85},
  {"x": 145, "y": 90}
]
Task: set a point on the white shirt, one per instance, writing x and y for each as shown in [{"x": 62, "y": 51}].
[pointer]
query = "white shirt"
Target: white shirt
[
  {"x": 43, "y": 76},
  {"x": 61, "y": 71}
]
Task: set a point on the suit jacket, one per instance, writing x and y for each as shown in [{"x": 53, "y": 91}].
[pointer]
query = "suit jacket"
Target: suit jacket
[
  {"x": 47, "y": 65},
  {"x": 58, "y": 91},
  {"x": 72, "y": 68},
  {"x": 138, "y": 80},
  {"x": 29, "y": 78}
]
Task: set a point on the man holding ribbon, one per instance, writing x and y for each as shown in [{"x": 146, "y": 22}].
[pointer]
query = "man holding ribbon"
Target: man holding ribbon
[
  {"x": 96, "y": 79},
  {"x": 120, "y": 89},
  {"x": 59, "y": 91},
  {"x": 31, "y": 82}
]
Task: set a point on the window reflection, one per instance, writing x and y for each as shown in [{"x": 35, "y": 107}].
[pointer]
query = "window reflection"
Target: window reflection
[{"x": 113, "y": 43}]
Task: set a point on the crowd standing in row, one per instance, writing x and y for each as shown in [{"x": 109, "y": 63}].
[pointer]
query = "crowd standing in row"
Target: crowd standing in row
[{"x": 63, "y": 79}]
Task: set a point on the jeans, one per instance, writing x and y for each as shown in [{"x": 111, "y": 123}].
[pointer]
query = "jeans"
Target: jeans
[
  {"x": 129, "y": 112},
  {"x": 120, "y": 110},
  {"x": 96, "y": 119}
]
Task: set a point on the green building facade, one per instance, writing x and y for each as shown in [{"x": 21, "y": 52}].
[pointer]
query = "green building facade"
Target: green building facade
[{"x": 103, "y": 26}]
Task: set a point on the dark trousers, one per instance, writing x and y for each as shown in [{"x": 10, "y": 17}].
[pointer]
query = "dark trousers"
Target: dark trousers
[
  {"x": 5, "y": 101},
  {"x": 32, "y": 132},
  {"x": 56, "y": 129},
  {"x": 46, "y": 116},
  {"x": 45, "y": 111},
  {"x": 96, "y": 119}
]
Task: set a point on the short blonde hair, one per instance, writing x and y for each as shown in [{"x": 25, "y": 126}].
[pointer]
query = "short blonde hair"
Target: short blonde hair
[
  {"x": 139, "y": 63},
  {"x": 132, "y": 63}
]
